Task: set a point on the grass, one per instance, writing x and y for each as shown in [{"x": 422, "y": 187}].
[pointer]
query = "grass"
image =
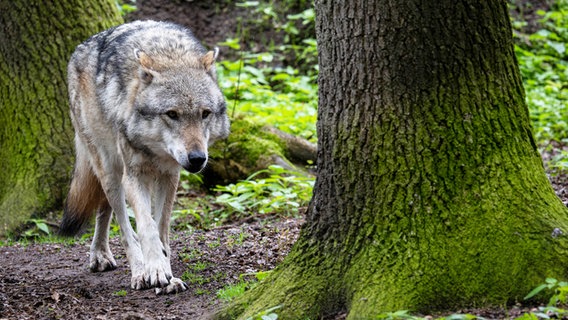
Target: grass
[
  {"x": 193, "y": 278},
  {"x": 120, "y": 293},
  {"x": 236, "y": 239},
  {"x": 232, "y": 291}
]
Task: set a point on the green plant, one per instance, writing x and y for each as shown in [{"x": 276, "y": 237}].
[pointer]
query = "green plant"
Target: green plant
[
  {"x": 232, "y": 291},
  {"x": 559, "y": 298},
  {"x": 280, "y": 97},
  {"x": 38, "y": 229},
  {"x": 404, "y": 314},
  {"x": 194, "y": 278},
  {"x": 560, "y": 289},
  {"x": 282, "y": 191},
  {"x": 236, "y": 239},
  {"x": 267, "y": 314},
  {"x": 187, "y": 255},
  {"x": 560, "y": 161},
  {"x": 543, "y": 64},
  {"x": 214, "y": 244},
  {"x": 199, "y": 291},
  {"x": 120, "y": 293},
  {"x": 195, "y": 212},
  {"x": 125, "y": 8},
  {"x": 199, "y": 266}
]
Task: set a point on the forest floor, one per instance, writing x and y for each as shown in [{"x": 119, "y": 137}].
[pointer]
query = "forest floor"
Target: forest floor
[{"x": 52, "y": 281}]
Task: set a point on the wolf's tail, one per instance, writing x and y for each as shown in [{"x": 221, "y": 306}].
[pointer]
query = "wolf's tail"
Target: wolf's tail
[{"x": 84, "y": 197}]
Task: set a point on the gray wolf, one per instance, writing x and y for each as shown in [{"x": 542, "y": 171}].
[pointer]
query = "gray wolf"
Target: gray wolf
[{"x": 144, "y": 102}]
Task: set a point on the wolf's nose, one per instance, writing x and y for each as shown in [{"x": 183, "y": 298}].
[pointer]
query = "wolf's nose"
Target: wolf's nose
[{"x": 196, "y": 161}]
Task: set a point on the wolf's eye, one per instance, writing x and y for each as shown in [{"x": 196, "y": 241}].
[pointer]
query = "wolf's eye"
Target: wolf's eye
[
  {"x": 205, "y": 114},
  {"x": 172, "y": 114}
]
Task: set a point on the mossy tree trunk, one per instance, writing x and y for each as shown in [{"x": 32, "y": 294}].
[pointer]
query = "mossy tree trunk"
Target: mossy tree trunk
[
  {"x": 430, "y": 194},
  {"x": 36, "y": 135}
]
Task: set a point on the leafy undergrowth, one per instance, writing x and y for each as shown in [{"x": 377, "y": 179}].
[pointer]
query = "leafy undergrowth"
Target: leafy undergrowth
[
  {"x": 277, "y": 87},
  {"x": 543, "y": 61},
  {"x": 272, "y": 192}
]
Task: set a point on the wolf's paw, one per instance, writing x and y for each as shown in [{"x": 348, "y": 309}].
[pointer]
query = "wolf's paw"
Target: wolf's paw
[
  {"x": 176, "y": 286},
  {"x": 137, "y": 282},
  {"x": 156, "y": 275},
  {"x": 101, "y": 261}
]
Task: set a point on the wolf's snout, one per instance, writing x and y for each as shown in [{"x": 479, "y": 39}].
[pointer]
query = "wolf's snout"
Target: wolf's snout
[{"x": 196, "y": 161}]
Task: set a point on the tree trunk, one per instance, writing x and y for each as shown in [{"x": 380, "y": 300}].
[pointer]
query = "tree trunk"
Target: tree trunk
[
  {"x": 430, "y": 194},
  {"x": 36, "y": 151}
]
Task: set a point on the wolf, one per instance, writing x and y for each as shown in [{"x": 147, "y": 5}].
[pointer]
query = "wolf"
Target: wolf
[{"x": 144, "y": 103}]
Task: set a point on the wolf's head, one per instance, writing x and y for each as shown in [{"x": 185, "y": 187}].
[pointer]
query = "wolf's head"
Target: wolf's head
[{"x": 179, "y": 107}]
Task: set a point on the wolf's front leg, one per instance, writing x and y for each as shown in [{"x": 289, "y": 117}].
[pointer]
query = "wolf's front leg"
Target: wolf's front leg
[
  {"x": 157, "y": 270},
  {"x": 115, "y": 196},
  {"x": 164, "y": 194}
]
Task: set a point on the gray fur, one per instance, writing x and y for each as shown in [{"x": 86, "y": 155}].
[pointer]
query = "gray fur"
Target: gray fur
[{"x": 144, "y": 102}]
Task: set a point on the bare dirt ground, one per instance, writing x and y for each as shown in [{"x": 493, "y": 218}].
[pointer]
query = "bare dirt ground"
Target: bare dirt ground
[{"x": 52, "y": 281}]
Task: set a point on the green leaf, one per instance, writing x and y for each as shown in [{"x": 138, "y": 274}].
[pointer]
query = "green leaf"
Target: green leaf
[
  {"x": 535, "y": 291},
  {"x": 247, "y": 4},
  {"x": 558, "y": 46},
  {"x": 43, "y": 227}
]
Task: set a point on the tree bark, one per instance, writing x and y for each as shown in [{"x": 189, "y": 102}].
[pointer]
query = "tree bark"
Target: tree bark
[
  {"x": 430, "y": 194},
  {"x": 36, "y": 151}
]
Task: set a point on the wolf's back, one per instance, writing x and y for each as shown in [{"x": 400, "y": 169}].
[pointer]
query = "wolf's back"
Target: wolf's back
[{"x": 111, "y": 52}]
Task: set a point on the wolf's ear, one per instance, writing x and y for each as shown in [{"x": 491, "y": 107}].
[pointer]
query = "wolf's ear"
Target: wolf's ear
[
  {"x": 145, "y": 72},
  {"x": 208, "y": 61}
]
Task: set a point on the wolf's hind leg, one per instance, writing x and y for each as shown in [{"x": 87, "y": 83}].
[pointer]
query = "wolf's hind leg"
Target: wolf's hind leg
[{"x": 101, "y": 256}]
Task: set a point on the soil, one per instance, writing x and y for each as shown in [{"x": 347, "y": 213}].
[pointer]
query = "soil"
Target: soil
[{"x": 51, "y": 281}]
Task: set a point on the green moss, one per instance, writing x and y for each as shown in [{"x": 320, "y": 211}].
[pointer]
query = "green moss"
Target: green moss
[
  {"x": 249, "y": 145},
  {"x": 301, "y": 292},
  {"x": 37, "y": 137},
  {"x": 485, "y": 248}
]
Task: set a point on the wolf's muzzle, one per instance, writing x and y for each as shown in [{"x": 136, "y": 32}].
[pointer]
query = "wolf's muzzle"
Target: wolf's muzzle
[{"x": 196, "y": 161}]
